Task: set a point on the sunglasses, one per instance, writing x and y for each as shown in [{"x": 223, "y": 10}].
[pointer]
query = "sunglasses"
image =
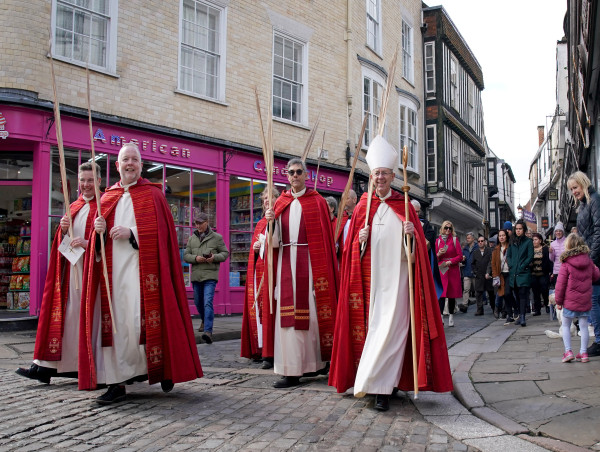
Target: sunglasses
[
  {"x": 299, "y": 172},
  {"x": 481, "y": 241},
  {"x": 448, "y": 227}
]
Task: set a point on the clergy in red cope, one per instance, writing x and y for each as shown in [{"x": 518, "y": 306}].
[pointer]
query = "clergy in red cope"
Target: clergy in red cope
[
  {"x": 258, "y": 321},
  {"x": 153, "y": 338},
  {"x": 372, "y": 349},
  {"x": 306, "y": 282},
  {"x": 57, "y": 335}
]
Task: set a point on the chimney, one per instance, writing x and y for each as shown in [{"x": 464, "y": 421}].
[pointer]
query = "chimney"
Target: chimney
[{"x": 540, "y": 135}]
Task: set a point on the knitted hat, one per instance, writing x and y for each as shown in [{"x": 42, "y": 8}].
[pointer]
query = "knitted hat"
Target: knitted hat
[
  {"x": 559, "y": 227},
  {"x": 507, "y": 225}
]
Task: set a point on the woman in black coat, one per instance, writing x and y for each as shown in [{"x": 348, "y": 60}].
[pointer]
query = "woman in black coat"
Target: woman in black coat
[
  {"x": 588, "y": 227},
  {"x": 541, "y": 270}
]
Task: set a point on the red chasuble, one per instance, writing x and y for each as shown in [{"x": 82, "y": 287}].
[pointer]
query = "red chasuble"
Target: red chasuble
[
  {"x": 322, "y": 258},
  {"x": 256, "y": 265},
  {"x": 51, "y": 323},
  {"x": 166, "y": 328},
  {"x": 353, "y": 310}
]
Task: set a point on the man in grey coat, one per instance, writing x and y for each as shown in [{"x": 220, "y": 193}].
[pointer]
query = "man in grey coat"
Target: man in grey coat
[
  {"x": 205, "y": 251},
  {"x": 482, "y": 257}
]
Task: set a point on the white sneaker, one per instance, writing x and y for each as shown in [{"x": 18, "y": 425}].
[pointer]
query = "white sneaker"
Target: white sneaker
[{"x": 451, "y": 320}]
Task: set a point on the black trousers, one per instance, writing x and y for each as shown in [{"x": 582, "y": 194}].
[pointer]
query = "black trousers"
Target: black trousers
[
  {"x": 540, "y": 288},
  {"x": 451, "y": 304}
]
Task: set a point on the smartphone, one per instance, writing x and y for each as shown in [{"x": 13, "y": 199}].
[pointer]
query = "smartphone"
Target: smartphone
[{"x": 207, "y": 256}]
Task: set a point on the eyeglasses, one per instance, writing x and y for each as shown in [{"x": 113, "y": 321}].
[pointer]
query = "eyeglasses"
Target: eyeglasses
[
  {"x": 291, "y": 172},
  {"x": 382, "y": 173},
  {"x": 481, "y": 241},
  {"x": 448, "y": 227}
]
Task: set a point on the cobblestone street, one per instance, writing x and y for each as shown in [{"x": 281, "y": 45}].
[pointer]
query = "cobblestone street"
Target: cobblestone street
[{"x": 232, "y": 408}]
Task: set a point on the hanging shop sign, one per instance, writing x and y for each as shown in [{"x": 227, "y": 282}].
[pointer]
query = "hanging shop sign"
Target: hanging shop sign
[{"x": 3, "y": 133}]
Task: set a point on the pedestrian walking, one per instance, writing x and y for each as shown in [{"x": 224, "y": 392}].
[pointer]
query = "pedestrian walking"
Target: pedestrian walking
[
  {"x": 574, "y": 293},
  {"x": 519, "y": 256},
  {"x": 449, "y": 257},
  {"x": 467, "y": 271},
  {"x": 588, "y": 227},
  {"x": 482, "y": 258},
  {"x": 500, "y": 276},
  {"x": 540, "y": 274},
  {"x": 205, "y": 251}
]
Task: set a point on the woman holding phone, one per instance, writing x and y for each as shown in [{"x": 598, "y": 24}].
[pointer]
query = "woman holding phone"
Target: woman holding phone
[{"x": 449, "y": 255}]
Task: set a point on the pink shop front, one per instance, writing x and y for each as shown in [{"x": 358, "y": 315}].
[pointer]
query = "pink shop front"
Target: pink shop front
[{"x": 223, "y": 182}]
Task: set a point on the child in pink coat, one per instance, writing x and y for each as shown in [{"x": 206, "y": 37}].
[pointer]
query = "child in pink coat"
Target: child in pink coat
[{"x": 574, "y": 293}]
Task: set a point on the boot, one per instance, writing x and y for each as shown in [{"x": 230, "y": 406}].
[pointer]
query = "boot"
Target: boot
[
  {"x": 451, "y": 320},
  {"x": 523, "y": 320}
]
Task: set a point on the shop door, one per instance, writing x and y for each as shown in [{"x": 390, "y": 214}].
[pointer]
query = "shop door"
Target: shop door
[{"x": 15, "y": 244}]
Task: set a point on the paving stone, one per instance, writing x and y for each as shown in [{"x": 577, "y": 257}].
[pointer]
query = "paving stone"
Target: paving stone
[
  {"x": 580, "y": 428},
  {"x": 496, "y": 392},
  {"x": 536, "y": 408}
]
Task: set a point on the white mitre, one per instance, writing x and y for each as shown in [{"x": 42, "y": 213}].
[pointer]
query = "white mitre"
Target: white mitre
[{"x": 381, "y": 154}]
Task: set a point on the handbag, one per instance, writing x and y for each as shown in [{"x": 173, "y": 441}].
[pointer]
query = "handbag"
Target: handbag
[{"x": 496, "y": 281}]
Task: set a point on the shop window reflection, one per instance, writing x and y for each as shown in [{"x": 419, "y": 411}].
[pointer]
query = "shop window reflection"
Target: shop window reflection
[
  {"x": 245, "y": 211},
  {"x": 57, "y": 199},
  {"x": 16, "y": 166}
]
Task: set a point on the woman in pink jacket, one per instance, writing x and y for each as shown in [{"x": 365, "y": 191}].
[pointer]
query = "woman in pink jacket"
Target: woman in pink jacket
[
  {"x": 449, "y": 255},
  {"x": 574, "y": 293}
]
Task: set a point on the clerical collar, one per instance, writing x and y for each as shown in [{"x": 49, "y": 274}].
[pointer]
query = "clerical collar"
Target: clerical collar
[
  {"x": 126, "y": 187},
  {"x": 300, "y": 193},
  {"x": 86, "y": 199},
  {"x": 383, "y": 198}
]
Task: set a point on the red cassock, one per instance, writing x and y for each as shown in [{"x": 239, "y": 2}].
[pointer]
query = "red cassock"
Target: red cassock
[
  {"x": 315, "y": 212},
  {"x": 256, "y": 266},
  {"x": 51, "y": 323},
  {"x": 166, "y": 325},
  {"x": 353, "y": 310}
]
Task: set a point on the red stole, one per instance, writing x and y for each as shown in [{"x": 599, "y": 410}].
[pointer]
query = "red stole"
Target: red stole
[
  {"x": 166, "y": 323},
  {"x": 294, "y": 316},
  {"x": 315, "y": 213},
  {"x": 51, "y": 323},
  {"x": 256, "y": 266},
  {"x": 353, "y": 310}
]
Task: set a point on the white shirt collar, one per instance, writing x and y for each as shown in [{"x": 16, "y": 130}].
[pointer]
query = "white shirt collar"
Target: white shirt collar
[{"x": 300, "y": 193}]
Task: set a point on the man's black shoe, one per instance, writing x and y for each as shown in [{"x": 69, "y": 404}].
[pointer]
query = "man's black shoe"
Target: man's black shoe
[
  {"x": 323, "y": 371},
  {"x": 115, "y": 393},
  {"x": 39, "y": 373},
  {"x": 594, "y": 349},
  {"x": 267, "y": 363},
  {"x": 382, "y": 402},
  {"x": 286, "y": 382},
  {"x": 536, "y": 313},
  {"x": 463, "y": 308},
  {"x": 167, "y": 385},
  {"x": 479, "y": 312},
  {"x": 138, "y": 379}
]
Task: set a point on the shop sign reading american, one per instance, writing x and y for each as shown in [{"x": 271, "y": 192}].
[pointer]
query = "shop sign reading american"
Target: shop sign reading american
[
  {"x": 259, "y": 167},
  {"x": 144, "y": 145}
]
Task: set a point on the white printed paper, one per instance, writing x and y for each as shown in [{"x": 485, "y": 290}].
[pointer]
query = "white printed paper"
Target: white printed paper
[{"x": 71, "y": 253}]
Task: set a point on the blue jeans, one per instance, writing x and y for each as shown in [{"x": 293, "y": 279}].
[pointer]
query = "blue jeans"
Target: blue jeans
[
  {"x": 204, "y": 292},
  {"x": 596, "y": 312}
]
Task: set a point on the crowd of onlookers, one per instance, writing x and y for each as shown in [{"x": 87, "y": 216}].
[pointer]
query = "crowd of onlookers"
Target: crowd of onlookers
[{"x": 516, "y": 270}]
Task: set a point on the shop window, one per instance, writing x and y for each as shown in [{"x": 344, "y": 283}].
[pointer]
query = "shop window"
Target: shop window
[
  {"x": 245, "y": 211},
  {"x": 177, "y": 192},
  {"x": 154, "y": 172},
  {"x": 16, "y": 166},
  {"x": 57, "y": 199}
]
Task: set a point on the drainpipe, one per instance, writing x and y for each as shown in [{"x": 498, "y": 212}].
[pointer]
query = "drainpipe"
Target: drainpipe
[{"x": 348, "y": 68}]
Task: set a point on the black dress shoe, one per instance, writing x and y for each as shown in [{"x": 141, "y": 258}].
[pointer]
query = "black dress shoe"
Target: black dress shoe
[
  {"x": 167, "y": 385},
  {"x": 536, "y": 313},
  {"x": 138, "y": 379},
  {"x": 267, "y": 363},
  {"x": 479, "y": 313},
  {"x": 286, "y": 382},
  {"x": 115, "y": 393},
  {"x": 382, "y": 402},
  {"x": 323, "y": 371},
  {"x": 463, "y": 308},
  {"x": 39, "y": 373}
]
